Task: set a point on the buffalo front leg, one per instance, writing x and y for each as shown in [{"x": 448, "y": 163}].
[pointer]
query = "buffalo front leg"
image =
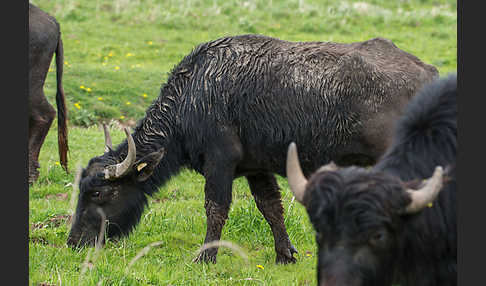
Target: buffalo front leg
[
  {"x": 219, "y": 171},
  {"x": 217, "y": 203},
  {"x": 266, "y": 192},
  {"x": 216, "y": 219}
]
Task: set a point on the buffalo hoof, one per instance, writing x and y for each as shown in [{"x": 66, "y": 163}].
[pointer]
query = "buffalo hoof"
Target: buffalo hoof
[
  {"x": 33, "y": 171},
  {"x": 33, "y": 176},
  {"x": 287, "y": 256},
  {"x": 206, "y": 256}
]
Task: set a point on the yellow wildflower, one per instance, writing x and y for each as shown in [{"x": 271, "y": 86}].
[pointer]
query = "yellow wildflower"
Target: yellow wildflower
[
  {"x": 429, "y": 205},
  {"x": 77, "y": 105},
  {"x": 88, "y": 89},
  {"x": 110, "y": 54},
  {"x": 129, "y": 55},
  {"x": 100, "y": 98},
  {"x": 57, "y": 163},
  {"x": 144, "y": 95},
  {"x": 122, "y": 117},
  {"x": 149, "y": 42},
  {"x": 128, "y": 103},
  {"x": 66, "y": 63},
  {"x": 81, "y": 87},
  {"x": 105, "y": 58},
  {"x": 117, "y": 68},
  {"x": 260, "y": 266}
]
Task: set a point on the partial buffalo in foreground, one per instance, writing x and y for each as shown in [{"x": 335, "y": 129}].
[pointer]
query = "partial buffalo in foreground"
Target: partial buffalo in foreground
[
  {"x": 44, "y": 41},
  {"x": 386, "y": 226},
  {"x": 231, "y": 107}
]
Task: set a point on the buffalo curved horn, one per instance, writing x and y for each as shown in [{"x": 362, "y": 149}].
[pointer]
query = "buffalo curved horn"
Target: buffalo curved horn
[
  {"x": 108, "y": 145},
  {"x": 295, "y": 177},
  {"x": 119, "y": 170},
  {"x": 426, "y": 194}
]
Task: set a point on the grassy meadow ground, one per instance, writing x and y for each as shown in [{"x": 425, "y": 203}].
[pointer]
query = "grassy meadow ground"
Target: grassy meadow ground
[{"x": 117, "y": 54}]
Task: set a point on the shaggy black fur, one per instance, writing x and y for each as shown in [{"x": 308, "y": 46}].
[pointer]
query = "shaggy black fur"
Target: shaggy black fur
[
  {"x": 232, "y": 106},
  {"x": 363, "y": 236}
]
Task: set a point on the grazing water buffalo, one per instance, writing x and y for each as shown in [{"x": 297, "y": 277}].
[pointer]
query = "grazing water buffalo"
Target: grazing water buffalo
[
  {"x": 384, "y": 226},
  {"x": 231, "y": 107},
  {"x": 44, "y": 41}
]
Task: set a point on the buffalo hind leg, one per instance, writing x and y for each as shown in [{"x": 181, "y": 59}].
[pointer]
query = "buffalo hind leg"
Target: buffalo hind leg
[
  {"x": 219, "y": 171},
  {"x": 266, "y": 192},
  {"x": 41, "y": 116}
]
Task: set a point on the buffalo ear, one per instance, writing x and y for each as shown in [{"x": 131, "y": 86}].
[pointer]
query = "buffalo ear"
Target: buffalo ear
[{"x": 146, "y": 166}]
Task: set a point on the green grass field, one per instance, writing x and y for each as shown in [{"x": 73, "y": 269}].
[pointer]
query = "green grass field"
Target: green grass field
[{"x": 117, "y": 55}]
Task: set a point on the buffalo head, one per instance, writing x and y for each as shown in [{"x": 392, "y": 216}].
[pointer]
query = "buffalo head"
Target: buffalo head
[
  {"x": 111, "y": 188},
  {"x": 358, "y": 216}
]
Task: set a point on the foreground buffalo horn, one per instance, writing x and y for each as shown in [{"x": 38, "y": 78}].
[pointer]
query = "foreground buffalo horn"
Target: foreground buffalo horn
[
  {"x": 426, "y": 194},
  {"x": 295, "y": 177},
  {"x": 108, "y": 145},
  {"x": 119, "y": 170}
]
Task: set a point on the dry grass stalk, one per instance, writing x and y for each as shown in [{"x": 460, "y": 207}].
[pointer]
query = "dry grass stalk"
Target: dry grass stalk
[
  {"x": 223, "y": 243},
  {"x": 74, "y": 192},
  {"x": 142, "y": 252},
  {"x": 88, "y": 262}
]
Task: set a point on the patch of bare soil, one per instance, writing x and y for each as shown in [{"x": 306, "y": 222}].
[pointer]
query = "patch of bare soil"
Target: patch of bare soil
[
  {"x": 43, "y": 241},
  {"x": 39, "y": 240},
  {"x": 55, "y": 221},
  {"x": 59, "y": 197}
]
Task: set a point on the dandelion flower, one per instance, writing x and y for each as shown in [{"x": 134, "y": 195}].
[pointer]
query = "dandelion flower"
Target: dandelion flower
[
  {"x": 100, "y": 98},
  {"x": 57, "y": 163},
  {"x": 149, "y": 42},
  {"x": 122, "y": 117},
  {"x": 308, "y": 254},
  {"x": 81, "y": 87},
  {"x": 77, "y": 105},
  {"x": 128, "y": 103},
  {"x": 144, "y": 95},
  {"x": 66, "y": 63},
  {"x": 88, "y": 89},
  {"x": 129, "y": 55},
  {"x": 110, "y": 54},
  {"x": 260, "y": 266},
  {"x": 117, "y": 68}
]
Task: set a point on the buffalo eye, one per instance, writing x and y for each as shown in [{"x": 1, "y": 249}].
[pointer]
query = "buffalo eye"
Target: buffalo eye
[
  {"x": 378, "y": 238},
  {"x": 96, "y": 195}
]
